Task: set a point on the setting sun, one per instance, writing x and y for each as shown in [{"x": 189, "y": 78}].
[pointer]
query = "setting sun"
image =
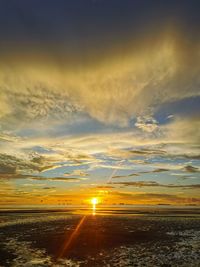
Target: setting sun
[{"x": 94, "y": 201}]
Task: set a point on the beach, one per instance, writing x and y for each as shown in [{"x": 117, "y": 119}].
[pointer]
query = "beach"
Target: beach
[{"x": 124, "y": 237}]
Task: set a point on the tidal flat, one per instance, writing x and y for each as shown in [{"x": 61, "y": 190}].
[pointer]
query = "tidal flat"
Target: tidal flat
[{"x": 162, "y": 237}]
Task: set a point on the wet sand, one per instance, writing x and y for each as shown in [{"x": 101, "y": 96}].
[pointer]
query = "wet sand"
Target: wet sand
[{"x": 62, "y": 239}]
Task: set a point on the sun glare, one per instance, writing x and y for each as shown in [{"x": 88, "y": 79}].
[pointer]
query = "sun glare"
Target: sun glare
[{"x": 94, "y": 201}]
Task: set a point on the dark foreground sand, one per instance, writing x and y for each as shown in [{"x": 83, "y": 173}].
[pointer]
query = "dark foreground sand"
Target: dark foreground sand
[{"x": 59, "y": 239}]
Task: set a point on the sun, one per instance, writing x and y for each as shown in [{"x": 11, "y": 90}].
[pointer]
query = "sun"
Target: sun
[{"x": 94, "y": 201}]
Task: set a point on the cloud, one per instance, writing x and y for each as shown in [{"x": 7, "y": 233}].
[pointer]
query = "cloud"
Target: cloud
[
  {"x": 125, "y": 176},
  {"x": 138, "y": 184},
  {"x": 12, "y": 168},
  {"x": 141, "y": 172},
  {"x": 54, "y": 179},
  {"x": 184, "y": 130},
  {"x": 6, "y": 176},
  {"x": 155, "y": 198},
  {"x": 104, "y": 187},
  {"x": 10, "y": 164},
  {"x": 160, "y": 170},
  {"x": 148, "y": 151},
  {"x": 156, "y": 184},
  {"x": 190, "y": 168},
  {"x": 49, "y": 187},
  {"x": 147, "y": 124},
  {"x": 139, "y": 81},
  {"x": 76, "y": 173}
]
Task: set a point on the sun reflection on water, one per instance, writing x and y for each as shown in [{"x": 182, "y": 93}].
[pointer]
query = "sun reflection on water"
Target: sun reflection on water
[{"x": 94, "y": 202}]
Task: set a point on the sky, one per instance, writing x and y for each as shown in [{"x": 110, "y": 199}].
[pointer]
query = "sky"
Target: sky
[{"x": 99, "y": 98}]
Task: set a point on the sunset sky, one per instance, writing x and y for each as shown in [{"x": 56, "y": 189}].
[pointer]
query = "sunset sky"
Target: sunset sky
[{"x": 99, "y": 98}]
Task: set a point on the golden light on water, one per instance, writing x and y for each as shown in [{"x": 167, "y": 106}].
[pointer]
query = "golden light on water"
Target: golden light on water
[{"x": 94, "y": 202}]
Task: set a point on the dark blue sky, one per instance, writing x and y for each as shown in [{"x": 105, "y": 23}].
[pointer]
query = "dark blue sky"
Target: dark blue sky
[{"x": 77, "y": 24}]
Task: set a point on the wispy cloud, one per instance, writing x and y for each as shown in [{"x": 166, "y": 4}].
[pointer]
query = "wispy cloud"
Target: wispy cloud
[
  {"x": 155, "y": 198},
  {"x": 190, "y": 168},
  {"x": 156, "y": 184}
]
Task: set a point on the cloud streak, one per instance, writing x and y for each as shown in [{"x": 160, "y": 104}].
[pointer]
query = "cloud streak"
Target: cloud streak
[{"x": 156, "y": 184}]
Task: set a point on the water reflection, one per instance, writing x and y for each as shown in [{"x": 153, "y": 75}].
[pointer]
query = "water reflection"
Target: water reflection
[
  {"x": 94, "y": 201},
  {"x": 93, "y": 209}
]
